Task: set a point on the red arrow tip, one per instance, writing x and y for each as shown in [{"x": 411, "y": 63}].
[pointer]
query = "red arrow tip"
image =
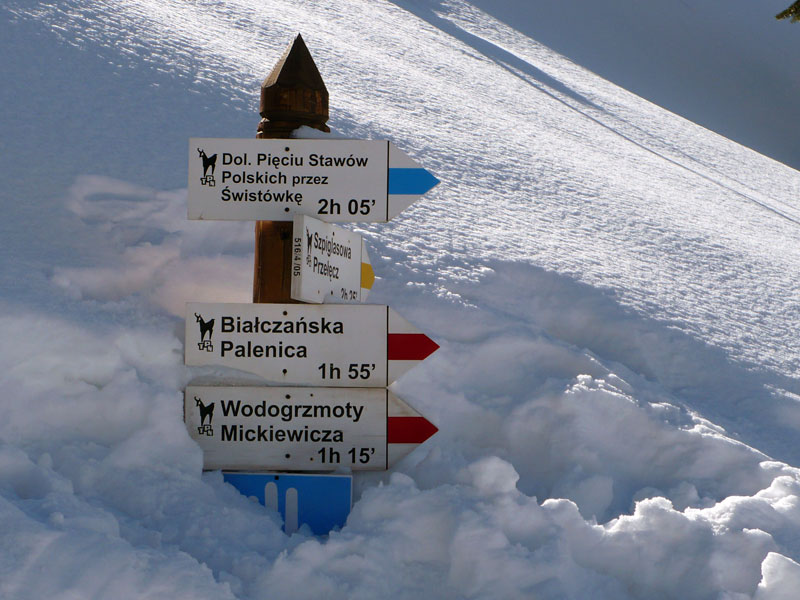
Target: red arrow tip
[
  {"x": 410, "y": 346},
  {"x": 409, "y": 430}
]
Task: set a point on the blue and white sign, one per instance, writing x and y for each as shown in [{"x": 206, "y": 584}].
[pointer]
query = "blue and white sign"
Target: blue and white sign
[
  {"x": 322, "y": 502},
  {"x": 334, "y": 180}
]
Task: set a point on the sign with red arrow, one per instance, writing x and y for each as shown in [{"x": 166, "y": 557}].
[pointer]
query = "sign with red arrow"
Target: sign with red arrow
[
  {"x": 302, "y": 429},
  {"x": 337, "y": 345}
]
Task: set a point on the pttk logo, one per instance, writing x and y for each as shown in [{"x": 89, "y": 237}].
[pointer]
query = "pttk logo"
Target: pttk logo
[
  {"x": 309, "y": 239},
  {"x": 209, "y": 163},
  {"x": 206, "y": 329},
  {"x": 206, "y": 412}
]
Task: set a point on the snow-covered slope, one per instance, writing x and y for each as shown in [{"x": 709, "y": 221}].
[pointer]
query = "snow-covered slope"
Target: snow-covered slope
[
  {"x": 614, "y": 289},
  {"x": 724, "y": 64}
]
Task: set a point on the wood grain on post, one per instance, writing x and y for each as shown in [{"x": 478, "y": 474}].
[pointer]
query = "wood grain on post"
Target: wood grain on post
[{"x": 292, "y": 95}]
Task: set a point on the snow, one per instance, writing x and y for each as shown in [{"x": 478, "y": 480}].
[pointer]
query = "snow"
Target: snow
[
  {"x": 718, "y": 63},
  {"x": 614, "y": 289}
]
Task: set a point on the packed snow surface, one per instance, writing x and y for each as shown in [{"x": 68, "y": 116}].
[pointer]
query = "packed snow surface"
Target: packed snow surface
[{"x": 614, "y": 289}]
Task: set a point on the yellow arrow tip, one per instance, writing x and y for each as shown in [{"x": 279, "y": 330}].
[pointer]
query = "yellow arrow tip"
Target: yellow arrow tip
[{"x": 367, "y": 276}]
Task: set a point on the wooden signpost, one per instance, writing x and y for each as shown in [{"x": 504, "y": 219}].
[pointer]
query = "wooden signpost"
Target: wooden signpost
[{"x": 349, "y": 350}]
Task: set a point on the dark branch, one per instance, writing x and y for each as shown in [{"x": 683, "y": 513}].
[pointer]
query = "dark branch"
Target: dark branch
[{"x": 792, "y": 13}]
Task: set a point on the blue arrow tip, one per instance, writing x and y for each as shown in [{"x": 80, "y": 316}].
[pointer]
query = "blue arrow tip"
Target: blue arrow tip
[{"x": 411, "y": 182}]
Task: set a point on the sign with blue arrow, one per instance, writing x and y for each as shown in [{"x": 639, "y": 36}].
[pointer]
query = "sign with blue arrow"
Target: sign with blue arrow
[
  {"x": 334, "y": 180},
  {"x": 322, "y": 502}
]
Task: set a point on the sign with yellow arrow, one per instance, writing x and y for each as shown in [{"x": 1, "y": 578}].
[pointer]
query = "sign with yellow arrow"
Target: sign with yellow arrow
[{"x": 330, "y": 264}]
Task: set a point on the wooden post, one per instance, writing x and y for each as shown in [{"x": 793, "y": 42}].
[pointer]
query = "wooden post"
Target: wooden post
[{"x": 292, "y": 95}]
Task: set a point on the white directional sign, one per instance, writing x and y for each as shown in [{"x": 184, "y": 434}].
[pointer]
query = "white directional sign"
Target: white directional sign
[
  {"x": 331, "y": 179},
  {"x": 340, "y": 345},
  {"x": 302, "y": 429},
  {"x": 329, "y": 263}
]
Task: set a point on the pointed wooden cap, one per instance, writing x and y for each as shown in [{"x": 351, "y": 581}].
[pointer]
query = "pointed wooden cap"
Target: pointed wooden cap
[{"x": 294, "y": 93}]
